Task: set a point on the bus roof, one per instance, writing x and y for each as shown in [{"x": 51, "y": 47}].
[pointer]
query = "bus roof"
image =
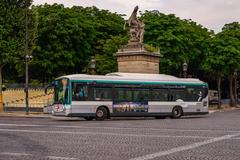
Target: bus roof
[{"x": 134, "y": 77}]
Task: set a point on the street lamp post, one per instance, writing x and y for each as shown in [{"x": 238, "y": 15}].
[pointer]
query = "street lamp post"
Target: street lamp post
[
  {"x": 92, "y": 66},
  {"x": 185, "y": 68},
  {"x": 27, "y": 58}
]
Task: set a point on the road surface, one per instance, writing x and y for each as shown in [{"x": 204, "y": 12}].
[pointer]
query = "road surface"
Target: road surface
[{"x": 215, "y": 137}]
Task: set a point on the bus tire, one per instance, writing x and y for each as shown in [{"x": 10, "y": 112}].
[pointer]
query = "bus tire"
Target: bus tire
[
  {"x": 177, "y": 112},
  {"x": 88, "y": 118},
  {"x": 101, "y": 114}
]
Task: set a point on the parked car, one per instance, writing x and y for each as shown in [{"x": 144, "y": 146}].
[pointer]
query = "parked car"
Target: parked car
[{"x": 213, "y": 96}]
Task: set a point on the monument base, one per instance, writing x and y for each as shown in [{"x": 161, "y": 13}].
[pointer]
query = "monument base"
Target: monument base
[{"x": 137, "y": 60}]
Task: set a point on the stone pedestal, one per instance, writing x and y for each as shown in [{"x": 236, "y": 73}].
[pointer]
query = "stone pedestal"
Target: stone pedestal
[{"x": 133, "y": 58}]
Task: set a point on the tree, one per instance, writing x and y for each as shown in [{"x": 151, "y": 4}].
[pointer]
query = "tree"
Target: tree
[
  {"x": 179, "y": 41},
  {"x": 64, "y": 41},
  {"x": 223, "y": 56},
  {"x": 214, "y": 63},
  {"x": 109, "y": 36},
  {"x": 12, "y": 15},
  {"x": 107, "y": 62},
  {"x": 68, "y": 37},
  {"x": 230, "y": 47}
]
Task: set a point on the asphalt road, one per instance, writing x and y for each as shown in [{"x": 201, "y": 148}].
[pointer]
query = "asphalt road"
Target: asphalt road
[{"x": 214, "y": 137}]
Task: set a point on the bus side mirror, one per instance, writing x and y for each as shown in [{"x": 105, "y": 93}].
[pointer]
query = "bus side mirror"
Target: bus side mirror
[{"x": 47, "y": 87}]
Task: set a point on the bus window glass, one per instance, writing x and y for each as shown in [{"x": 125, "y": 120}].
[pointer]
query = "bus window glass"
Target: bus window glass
[
  {"x": 141, "y": 95},
  {"x": 195, "y": 93},
  {"x": 123, "y": 95},
  {"x": 159, "y": 95},
  {"x": 177, "y": 94},
  {"x": 79, "y": 91},
  {"x": 103, "y": 93},
  {"x": 61, "y": 91}
]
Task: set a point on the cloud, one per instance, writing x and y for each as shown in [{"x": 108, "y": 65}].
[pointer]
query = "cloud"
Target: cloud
[{"x": 212, "y": 14}]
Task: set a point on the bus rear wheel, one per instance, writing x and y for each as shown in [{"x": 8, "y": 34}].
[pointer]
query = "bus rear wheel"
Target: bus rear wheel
[
  {"x": 101, "y": 114},
  {"x": 177, "y": 112}
]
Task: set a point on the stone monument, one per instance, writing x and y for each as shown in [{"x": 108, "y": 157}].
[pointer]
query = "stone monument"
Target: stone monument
[{"x": 133, "y": 57}]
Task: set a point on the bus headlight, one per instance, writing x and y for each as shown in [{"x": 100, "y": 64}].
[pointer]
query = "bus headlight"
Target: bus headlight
[{"x": 58, "y": 108}]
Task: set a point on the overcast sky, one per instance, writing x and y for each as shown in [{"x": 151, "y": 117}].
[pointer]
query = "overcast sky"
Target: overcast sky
[{"x": 212, "y": 14}]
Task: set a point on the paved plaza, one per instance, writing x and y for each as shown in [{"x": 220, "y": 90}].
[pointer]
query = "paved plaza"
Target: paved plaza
[{"x": 215, "y": 137}]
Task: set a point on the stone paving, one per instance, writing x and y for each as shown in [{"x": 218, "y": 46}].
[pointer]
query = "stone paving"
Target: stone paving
[{"x": 214, "y": 136}]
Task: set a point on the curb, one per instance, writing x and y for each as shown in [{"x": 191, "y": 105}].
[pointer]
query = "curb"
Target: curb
[
  {"x": 41, "y": 115},
  {"x": 223, "y": 109},
  {"x": 212, "y": 111},
  {"x": 23, "y": 115}
]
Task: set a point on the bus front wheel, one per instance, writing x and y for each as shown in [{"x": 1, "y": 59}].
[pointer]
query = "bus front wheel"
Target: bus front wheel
[
  {"x": 101, "y": 114},
  {"x": 177, "y": 112}
]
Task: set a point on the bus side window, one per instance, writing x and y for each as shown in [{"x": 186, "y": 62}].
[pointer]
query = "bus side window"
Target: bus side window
[
  {"x": 170, "y": 97},
  {"x": 123, "y": 95},
  {"x": 80, "y": 92},
  {"x": 176, "y": 94},
  {"x": 141, "y": 95},
  {"x": 194, "y": 94},
  {"x": 160, "y": 95},
  {"x": 103, "y": 93}
]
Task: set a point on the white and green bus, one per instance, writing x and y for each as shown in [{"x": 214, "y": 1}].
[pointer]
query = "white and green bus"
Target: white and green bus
[{"x": 128, "y": 94}]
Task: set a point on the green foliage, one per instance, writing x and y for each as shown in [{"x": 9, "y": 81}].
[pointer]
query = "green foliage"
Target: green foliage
[
  {"x": 62, "y": 40},
  {"x": 68, "y": 37},
  {"x": 12, "y": 15},
  {"x": 229, "y": 45},
  {"x": 179, "y": 41},
  {"x": 12, "y": 31},
  {"x": 150, "y": 48},
  {"x": 107, "y": 62},
  {"x": 223, "y": 51},
  {"x": 109, "y": 36}
]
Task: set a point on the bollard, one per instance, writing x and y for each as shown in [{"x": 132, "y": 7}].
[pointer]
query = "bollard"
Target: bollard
[{"x": 1, "y": 102}]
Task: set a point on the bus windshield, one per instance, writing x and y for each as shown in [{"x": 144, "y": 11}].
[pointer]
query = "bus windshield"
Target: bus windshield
[{"x": 61, "y": 91}]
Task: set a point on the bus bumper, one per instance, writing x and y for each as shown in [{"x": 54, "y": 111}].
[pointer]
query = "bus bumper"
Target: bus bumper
[{"x": 64, "y": 111}]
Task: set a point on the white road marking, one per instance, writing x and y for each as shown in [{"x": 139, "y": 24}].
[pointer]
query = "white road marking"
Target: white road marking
[
  {"x": 21, "y": 125},
  {"x": 151, "y": 129},
  {"x": 44, "y": 157},
  {"x": 60, "y": 158},
  {"x": 121, "y": 128},
  {"x": 101, "y": 133},
  {"x": 184, "y": 148},
  {"x": 14, "y": 154}
]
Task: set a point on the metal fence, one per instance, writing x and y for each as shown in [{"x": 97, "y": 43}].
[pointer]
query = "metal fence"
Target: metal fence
[{"x": 14, "y": 99}]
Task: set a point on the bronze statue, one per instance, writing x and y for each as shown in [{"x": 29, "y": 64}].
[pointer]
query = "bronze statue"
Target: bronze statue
[{"x": 136, "y": 27}]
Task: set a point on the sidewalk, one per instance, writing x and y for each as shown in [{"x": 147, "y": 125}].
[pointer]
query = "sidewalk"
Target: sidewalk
[
  {"x": 23, "y": 114},
  {"x": 44, "y": 115},
  {"x": 223, "y": 109}
]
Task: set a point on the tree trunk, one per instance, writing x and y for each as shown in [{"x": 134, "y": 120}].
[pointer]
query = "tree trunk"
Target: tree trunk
[
  {"x": 1, "y": 96},
  {"x": 232, "y": 101},
  {"x": 235, "y": 90},
  {"x": 219, "y": 92}
]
